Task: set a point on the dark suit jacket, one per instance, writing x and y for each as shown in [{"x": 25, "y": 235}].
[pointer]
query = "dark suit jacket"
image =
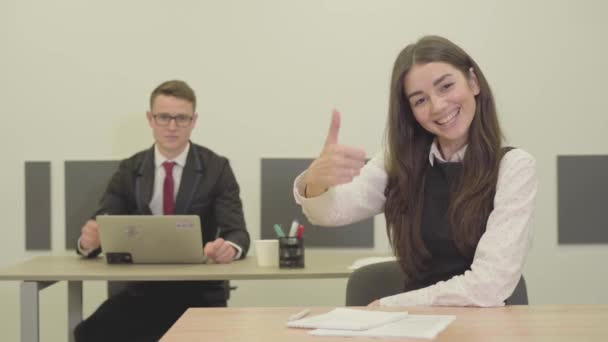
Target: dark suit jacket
[{"x": 208, "y": 189}]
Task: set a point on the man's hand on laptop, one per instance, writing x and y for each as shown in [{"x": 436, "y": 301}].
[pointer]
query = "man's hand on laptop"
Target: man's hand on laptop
[
  {"x": 220, "y": 251},
  {"x": 89, "y": 236}
]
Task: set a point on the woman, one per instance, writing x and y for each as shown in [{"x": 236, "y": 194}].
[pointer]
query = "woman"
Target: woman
[{"x": 458, "y": 204}]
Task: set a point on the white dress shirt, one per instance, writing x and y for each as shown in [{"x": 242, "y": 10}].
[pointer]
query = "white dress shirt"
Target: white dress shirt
[
  {"x": 500, "y": 253},
  {"x": 156, "y": 203}
]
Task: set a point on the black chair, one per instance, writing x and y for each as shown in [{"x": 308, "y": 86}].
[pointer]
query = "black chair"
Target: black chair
[
  {"x": 383, "y": 279},
  {"x": 116, "y": 287}
]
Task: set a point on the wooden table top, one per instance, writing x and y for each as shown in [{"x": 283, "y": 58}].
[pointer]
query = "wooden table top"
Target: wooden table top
[{"x": 554, "y": 323}]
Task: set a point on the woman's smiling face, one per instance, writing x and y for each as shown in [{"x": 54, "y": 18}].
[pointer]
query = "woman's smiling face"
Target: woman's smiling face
[{"x": 442, "y": 100}]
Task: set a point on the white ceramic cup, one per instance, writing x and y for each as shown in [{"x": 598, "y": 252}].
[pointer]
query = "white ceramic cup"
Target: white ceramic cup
[{"x": 267, "y": 252}]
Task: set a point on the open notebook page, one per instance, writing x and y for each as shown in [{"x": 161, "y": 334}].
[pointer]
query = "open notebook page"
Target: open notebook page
[
  {"x": 412, "y": 326},
  {"x": 348, "y": 319}
]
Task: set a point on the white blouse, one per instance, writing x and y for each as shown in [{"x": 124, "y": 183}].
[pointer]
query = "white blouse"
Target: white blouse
[{"x": 500, "y": 253}]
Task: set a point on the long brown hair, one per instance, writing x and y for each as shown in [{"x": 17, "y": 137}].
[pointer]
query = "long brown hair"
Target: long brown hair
[{"x": 407, "y": 157}]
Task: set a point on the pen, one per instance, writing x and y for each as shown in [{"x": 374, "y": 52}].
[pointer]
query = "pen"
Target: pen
[
  {"x": 294, "y": 228},
  {"x": 279, "y": 231},
  {"x": 299, "y": 315},
  {"x": 300, "y": 231}
]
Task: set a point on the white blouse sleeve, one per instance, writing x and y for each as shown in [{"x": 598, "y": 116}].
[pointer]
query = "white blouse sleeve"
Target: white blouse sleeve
[
  {"x": 499, "y": 257},
  {"x": 347, "y": 203}
]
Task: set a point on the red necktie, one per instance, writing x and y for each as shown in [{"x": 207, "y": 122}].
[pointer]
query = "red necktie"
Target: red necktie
[{"x": 168, "y": 188}]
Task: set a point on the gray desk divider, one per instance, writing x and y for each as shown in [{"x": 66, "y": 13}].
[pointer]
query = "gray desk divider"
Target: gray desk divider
[
  {"x": 582, "y": 188},
  {"x": 85, "y": 183},
  {"x": 37, "y": 205},
  {"x": 278, "y": 206}
]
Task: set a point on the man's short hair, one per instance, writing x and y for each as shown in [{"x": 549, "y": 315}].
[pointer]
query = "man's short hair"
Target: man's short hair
[{"x": 175, "y": 88}]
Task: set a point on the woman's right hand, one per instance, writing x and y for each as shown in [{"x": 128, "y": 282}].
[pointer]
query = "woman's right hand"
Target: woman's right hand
[{"x": 337, "y": 164}]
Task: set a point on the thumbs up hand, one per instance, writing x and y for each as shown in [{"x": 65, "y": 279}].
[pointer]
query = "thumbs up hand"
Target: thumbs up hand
[{"x": 337, "y": 164}]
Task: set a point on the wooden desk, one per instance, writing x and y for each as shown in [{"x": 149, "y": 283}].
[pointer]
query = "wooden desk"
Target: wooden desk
[
  {"x": 40, "y": 272},
  {"x": 511, "y": 323}
]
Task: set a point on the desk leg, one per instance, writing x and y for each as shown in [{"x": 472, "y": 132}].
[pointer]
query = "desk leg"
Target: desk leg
[
  {"x": 30, "y": 323},
  {"x": 74, "y": 307}
]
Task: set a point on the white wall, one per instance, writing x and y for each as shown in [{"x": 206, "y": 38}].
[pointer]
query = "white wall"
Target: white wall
[{"x": 75, "y": 78}]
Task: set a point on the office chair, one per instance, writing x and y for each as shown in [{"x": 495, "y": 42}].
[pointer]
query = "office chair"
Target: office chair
[
  {"x": 116, "y": 287},
  {"x": 383, "y": 279}
]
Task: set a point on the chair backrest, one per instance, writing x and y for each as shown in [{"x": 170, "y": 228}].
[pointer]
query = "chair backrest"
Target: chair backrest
[
  {"x": 519, "y": 295},
  {"x": 116, "y": 287},
  {"x": 375, "y": 281},
  {"x": 371, "y": 282}
]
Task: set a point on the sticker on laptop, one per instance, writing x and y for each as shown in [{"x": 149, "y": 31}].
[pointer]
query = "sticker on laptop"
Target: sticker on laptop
[
  {"x": 184, "y": 225},
  {"x": 133, "y": 232}
]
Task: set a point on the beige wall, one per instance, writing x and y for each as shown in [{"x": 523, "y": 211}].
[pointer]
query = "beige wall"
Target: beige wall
[{"x": 75, "y": 76}]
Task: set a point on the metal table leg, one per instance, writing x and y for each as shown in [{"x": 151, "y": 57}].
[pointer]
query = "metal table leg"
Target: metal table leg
[
  {"x": 30, "y": 323},
  {"x": 74, "y": 307}
]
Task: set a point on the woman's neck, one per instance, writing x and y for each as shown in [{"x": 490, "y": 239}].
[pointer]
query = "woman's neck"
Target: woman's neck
[{"x": 450, "y": 147}]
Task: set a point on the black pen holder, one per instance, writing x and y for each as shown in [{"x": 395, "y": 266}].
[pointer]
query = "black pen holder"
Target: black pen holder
[{"x": 291, "y": 252}]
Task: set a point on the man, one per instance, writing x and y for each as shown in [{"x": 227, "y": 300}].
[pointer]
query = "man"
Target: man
[{"x": 174, "y": 176}]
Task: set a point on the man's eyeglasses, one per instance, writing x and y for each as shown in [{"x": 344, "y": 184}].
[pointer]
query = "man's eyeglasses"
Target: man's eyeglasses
[{"x": 164, "y": 119}]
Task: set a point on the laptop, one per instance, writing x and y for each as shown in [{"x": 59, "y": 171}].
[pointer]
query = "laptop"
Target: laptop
[{"x": 147, "y": 239}]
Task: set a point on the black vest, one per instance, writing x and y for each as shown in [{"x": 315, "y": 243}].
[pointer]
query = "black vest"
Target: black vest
[{"x": 446, "y": 260}]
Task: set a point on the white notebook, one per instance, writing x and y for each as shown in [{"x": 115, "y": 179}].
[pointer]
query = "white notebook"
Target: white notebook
[
  {"x": 413, "y": 326},
  {"x": 368, "y": 261},
  {"x": 348, "y": 319}
]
